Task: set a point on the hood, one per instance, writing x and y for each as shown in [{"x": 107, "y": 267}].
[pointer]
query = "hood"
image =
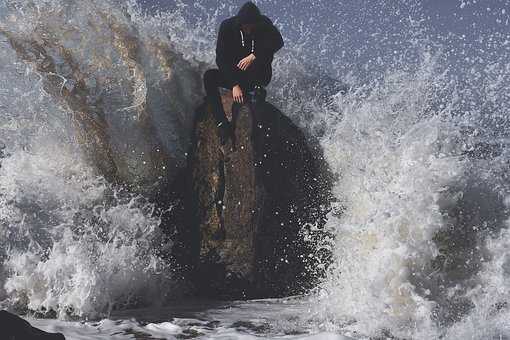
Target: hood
[{"x": 249, "y": 14}]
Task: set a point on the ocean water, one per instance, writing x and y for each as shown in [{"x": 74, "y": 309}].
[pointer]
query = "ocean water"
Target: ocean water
[
  {"x": 267, "y": 319},
  {"x": 418, "y": 142}
]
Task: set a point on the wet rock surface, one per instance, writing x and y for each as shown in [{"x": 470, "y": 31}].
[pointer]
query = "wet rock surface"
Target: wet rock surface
[{"x": 252, "y": 213}]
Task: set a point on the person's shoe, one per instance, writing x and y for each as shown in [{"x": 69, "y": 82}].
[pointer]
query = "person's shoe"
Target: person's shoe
[{"x": 225, "y": 132}]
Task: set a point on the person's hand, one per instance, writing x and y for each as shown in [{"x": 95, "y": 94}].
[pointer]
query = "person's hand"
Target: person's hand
[
  {"x": 246, "y": 62},
  {"x": 237, "y": 93}
]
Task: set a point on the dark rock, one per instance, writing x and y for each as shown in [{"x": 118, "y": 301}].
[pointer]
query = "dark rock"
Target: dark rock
[
  {"x": 247, "y": 213},
  {"x": 15, "y": 328}
]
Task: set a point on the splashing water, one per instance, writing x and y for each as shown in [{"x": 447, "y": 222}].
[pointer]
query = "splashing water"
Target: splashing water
[
  {"x": 73, "y": 243},
  {"x": 419, "y": 144},
  {"x": 422, "y": 202},
  {"x": 77, "y": 85}
]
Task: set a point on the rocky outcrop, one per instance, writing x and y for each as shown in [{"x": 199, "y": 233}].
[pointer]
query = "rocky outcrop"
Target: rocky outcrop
[
  {"x": 127, "y": 96},
  {"x": 226, "y": 201},
  {"x": 253, "y": 214}
]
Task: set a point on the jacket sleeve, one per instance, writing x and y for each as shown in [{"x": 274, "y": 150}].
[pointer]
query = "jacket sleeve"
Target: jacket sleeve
[
  {"x": 224, "y": 59},
  {"x": 271, "y": 43}
]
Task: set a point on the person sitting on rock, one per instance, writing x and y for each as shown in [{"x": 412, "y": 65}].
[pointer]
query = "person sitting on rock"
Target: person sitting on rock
[{"x": 245, "y": 48}]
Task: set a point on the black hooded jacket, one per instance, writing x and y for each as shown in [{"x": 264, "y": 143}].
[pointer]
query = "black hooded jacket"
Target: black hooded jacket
[{"x": 265, "y": 41}]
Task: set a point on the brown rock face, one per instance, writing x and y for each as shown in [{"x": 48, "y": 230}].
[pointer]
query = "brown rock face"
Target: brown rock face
[
  {"x": 247, "y": 212},
  {"x": 229, "y": 198}
]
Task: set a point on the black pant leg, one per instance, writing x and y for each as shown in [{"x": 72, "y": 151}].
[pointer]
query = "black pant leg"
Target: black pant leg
[{"x": 213, "y": 79}]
